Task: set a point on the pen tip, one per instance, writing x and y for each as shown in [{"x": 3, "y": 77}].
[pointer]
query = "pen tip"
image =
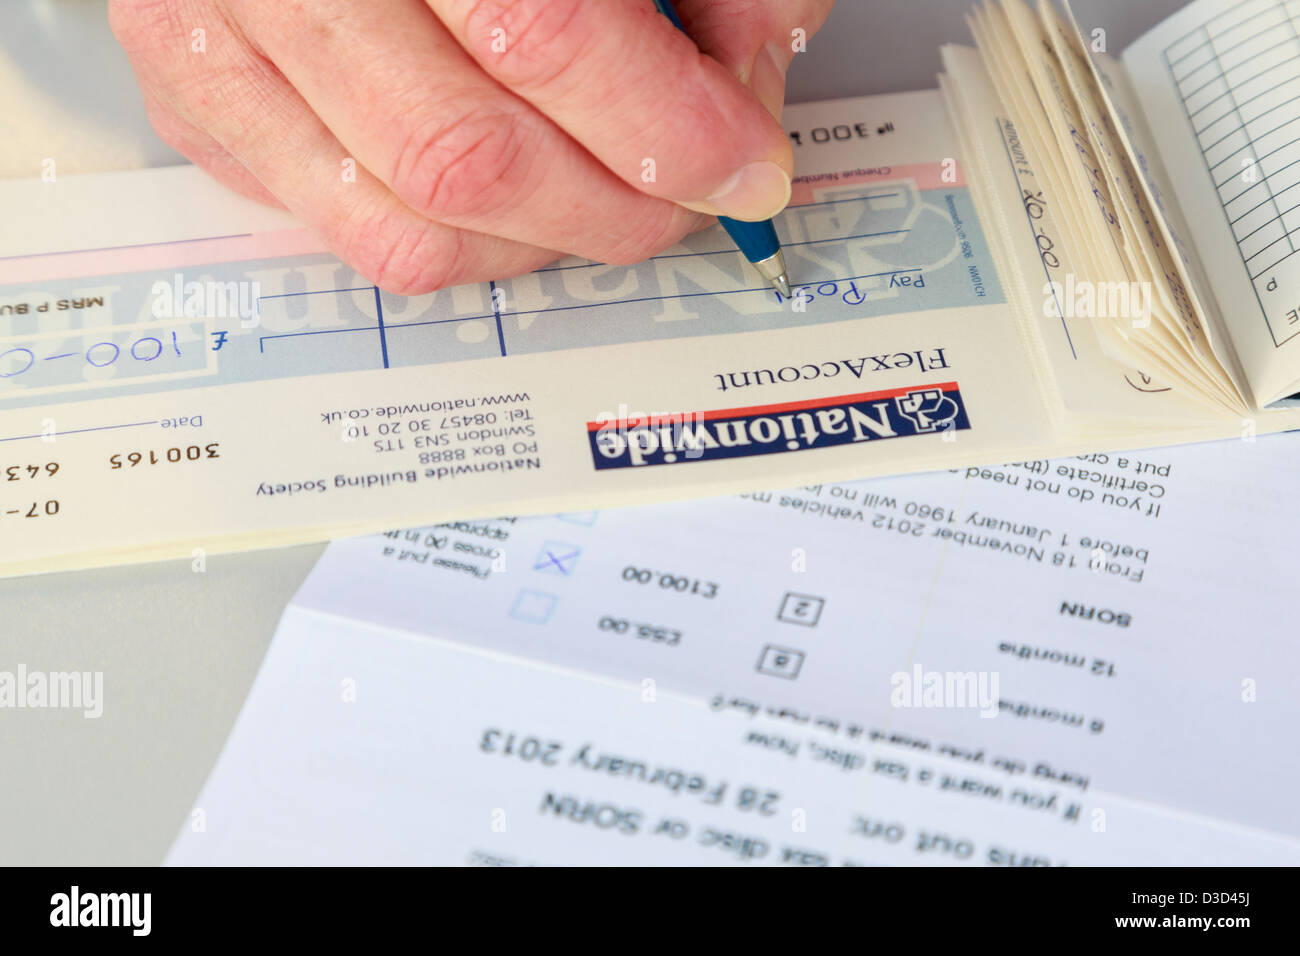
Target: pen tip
[{"x": 781, "y": 284}]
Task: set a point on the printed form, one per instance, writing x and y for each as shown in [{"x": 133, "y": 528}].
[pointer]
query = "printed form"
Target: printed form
[{"x": 1074, "y": 661}]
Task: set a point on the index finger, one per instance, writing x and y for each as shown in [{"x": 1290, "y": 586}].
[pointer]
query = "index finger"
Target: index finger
[{"x": 620, "y": 79}]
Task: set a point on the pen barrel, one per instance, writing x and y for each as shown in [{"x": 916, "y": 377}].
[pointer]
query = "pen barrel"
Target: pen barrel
[
  {"x": 756, "y": 240},
  {"x": 666, "y": 8}
]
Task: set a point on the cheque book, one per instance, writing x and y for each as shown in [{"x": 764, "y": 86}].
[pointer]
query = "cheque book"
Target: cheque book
[{"x": 1053, "y": 254}]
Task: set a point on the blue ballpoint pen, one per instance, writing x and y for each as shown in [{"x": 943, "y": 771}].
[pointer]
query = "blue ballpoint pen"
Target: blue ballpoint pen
[{"x": 756, "y": 240}]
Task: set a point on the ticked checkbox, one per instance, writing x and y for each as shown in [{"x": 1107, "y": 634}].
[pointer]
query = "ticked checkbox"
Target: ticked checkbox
[{"x": 557, "y": 557}]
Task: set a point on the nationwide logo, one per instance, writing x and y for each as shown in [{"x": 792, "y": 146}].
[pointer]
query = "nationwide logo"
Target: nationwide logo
[{"x": 771, "y": 429}]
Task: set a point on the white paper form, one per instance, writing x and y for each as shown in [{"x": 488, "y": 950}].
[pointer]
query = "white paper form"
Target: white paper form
[
  {"x": 362, "y": 746},
  {"x": 1145, "y": 589},
  {"x": 1122, "y": 619}
]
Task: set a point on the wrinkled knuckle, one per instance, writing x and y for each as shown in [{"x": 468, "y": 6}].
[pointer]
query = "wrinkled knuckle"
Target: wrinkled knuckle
[
  {"x": 463, "y": 168},
  {"x": 398, "y": 257},
  {"x": 529, "y": 43},
  {"x": 647, "y": 237}
]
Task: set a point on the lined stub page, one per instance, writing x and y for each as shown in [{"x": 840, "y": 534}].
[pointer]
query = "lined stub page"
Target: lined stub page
[
  {"x": 1039, "y": 664},
  {"x": 1219, "y": 83}
]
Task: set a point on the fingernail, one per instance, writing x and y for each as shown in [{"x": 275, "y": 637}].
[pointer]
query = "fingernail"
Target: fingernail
[
  {"x": 759, "y": 191},
  {"x": 767, "y": 80}
]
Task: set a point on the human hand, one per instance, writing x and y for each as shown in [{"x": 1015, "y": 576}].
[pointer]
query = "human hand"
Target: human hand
[{"x": 436, "y": 142}]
